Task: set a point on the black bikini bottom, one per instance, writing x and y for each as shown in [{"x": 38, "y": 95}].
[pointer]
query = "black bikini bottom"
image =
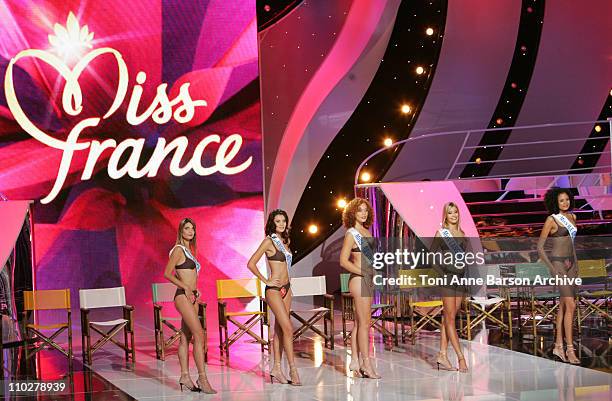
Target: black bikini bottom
[
  {"x": 180, "y": 291},
  {"x": 284, "y": 290}
]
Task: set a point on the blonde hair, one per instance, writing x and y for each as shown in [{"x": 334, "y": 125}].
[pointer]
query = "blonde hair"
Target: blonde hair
[{"x": 445, "y": 209}]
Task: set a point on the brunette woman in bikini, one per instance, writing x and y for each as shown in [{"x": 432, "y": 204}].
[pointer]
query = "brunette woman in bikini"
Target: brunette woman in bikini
[
  {"x": 185, "y": 267},
  {"x": 278, "y": 291}
]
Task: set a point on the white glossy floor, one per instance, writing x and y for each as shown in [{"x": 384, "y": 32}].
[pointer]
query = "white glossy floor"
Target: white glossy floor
[{"x": 495, "y": 374}]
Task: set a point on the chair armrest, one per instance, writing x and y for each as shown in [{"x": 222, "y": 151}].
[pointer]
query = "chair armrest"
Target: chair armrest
[
  {"x": 128, "y": 307},
  {"x": 85, "y": 321},
  {"x": 328, "y": 296},
  {"x": 221, "y": 308},
  {"x": 200, "y": 302},
  {"x": 157, "y": 306}
]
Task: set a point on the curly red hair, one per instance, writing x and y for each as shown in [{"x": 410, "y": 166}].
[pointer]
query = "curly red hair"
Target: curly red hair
[{"x": 348, "y": 216}]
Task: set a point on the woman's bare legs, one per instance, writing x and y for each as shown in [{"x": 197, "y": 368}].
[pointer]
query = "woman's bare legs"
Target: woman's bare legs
[
  {"x": 281, "y": 307},
  {"x": 451, "y": 306},
  {"x": 183, "y": 355},
  {"x": 189, "y": 312},
  {"x": 363, "y": 306}
]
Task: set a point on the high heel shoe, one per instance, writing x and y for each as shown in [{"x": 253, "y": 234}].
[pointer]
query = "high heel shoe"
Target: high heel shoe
[
  {"x": 295, "y": 379},
  {"x": 277, "y": 374},
  {"x": 206, "y": 389},
  {"x": 558, "y": 352},
  {"x": 354, "y": 368},
  {"x": 195, "y": 389},
  {"x": 571, "y": 356},
  {"x": 459, "y": 359},
  {"x": 368, "y": 373},
  {"x": 443, "y": 363}
]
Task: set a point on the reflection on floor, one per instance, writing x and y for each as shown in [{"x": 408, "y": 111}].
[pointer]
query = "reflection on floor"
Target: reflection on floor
[{"x": 408, "y": 374}]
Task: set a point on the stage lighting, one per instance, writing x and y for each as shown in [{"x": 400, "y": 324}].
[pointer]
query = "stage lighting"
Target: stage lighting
[
  {"x": 388, "y": 142},
  {"x": 420, "y": 70},
  {"x": 313, "y": 229},
  {"x": 499, "y": 121},
  {"x": 406, "y": 109},
  {"x": 429, "y": 31},
  {"x": 341, "y": 203},
  {"x": 598, "y": 128},
  {"x": 365, "y": 176},
  {"x": 478, "y": 160}
]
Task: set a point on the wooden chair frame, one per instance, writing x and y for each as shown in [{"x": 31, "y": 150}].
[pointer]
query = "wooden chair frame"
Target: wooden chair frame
[
  {"x": 326, "y": 313},
  {"x": 33, "y": 332},
  {"x": 254, "y": 317},
  {"x": 128, "y": 331}
]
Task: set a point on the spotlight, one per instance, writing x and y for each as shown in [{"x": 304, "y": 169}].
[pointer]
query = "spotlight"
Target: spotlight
[
  {"x": 406, "y": 109},
  {"x": 388, "y": 142},
  {"x": 499, "y": 121},
  {"x": 478, "y": 160},
  {"x": 429, "y": 31},
  {"x": 313, "y": 229},
  {"x": 598, "y": 128},
  {"x": 513, "y": 85},
  {"x": 420, "y": 70},
  {"x": 365, "y": 176},
  {"x": 341, "y": 203}
]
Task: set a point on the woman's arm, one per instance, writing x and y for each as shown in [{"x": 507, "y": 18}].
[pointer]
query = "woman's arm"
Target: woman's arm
[
  {"x": 252, "y": 263},
  {"x": 548, "y": 225},
  {"x": 345, "y": 255}
]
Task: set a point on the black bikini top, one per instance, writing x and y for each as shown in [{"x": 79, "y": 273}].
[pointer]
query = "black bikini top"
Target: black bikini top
[
  {"x": 356, "y": 249},
  {"x": 187, "y": 264},
  {"x": 277, "y": 257}
]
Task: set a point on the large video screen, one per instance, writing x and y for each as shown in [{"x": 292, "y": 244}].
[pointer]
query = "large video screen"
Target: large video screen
[{"x": 120, "y": 118}]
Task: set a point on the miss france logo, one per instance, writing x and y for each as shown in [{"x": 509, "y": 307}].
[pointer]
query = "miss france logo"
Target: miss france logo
[{"x": 68, "y": 44}]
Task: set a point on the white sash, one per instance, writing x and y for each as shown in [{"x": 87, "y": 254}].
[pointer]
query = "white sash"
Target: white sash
[
  {"x": 449, "y": 240},
  {"x": 571, "y": 229},
  {"x": 189, "y": 255},
  {"x": 358, "y": 240},
  {"x": 279, "y": 244}
]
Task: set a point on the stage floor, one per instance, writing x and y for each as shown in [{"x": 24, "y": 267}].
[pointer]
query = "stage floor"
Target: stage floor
[{"x": 495, "y": 374}]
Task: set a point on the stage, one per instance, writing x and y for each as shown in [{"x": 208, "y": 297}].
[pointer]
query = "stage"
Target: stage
[{"x": 408, "y": 373}]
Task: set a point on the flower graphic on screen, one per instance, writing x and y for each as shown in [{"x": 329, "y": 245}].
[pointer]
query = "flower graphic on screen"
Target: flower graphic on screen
[{"x": 69, "y": 41}]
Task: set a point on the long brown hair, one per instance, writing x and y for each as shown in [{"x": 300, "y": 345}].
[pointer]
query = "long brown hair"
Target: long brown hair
[
  {"x": 348, "y": 215},
  {"x": 179, "y": 236},
  {"x": 447, "y": 206}
]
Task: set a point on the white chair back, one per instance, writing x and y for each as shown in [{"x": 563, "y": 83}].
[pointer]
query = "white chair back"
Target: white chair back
[
  {"x": 308, "y": 286},
  {"x": 102, "y": 298}
]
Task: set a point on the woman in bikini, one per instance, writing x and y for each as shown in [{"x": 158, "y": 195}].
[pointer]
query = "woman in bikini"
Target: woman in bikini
[
  {"x": 560, "y": 226},
  {"x": 182, "y": 270},
  {"x": 450, "y": 238},
  {"x": 278, "y": 291},
  {"x": 357, "y": 218}
]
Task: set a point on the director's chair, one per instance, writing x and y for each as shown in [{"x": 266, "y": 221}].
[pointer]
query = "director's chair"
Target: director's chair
[
  {"x": 485, "y": 309},
  {"x": 242, "y": 289},
  {"x": 427, "y": 312},
  {"x": 543, "y": 303},
  {"x": 593, "y": 272},
  {"x": 164, "y": 293},
  {"x": 47, "y": 300},
  {"x": 314, "y": 286},
  {"x": 106, "y": 298}
]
